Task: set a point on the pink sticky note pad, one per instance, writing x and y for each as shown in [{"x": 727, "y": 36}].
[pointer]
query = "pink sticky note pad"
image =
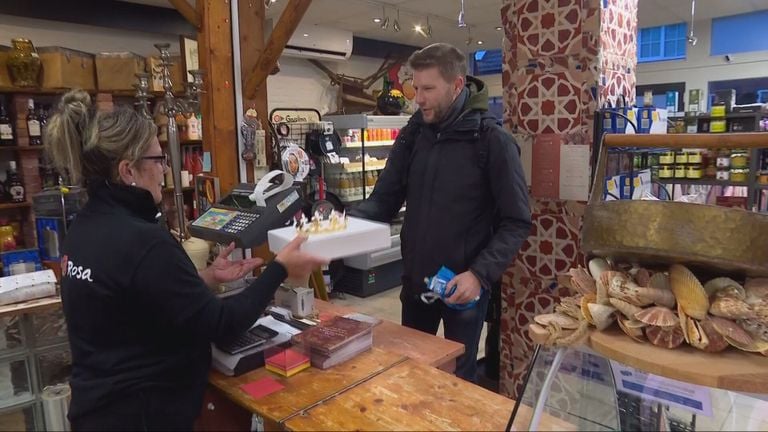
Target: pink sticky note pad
[{"x": 263, "y": 387}]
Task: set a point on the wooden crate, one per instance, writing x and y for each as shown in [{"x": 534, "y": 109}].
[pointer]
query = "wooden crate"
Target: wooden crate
[
  {"x": 67, "y": 68},
  {"x": 177, "y": 74},
  {"x": 5, "y": 78},
  {"x": 117, "y": 71}
]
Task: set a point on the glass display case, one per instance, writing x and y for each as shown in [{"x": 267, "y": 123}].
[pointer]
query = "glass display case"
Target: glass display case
[{"x": 593, "y": 388}]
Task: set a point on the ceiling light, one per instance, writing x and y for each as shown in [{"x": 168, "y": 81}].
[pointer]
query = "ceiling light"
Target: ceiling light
[
  {"x": 306, "y": 34},
  {"x": 396, "y": 24},
  {"x": 377, "y": 20},
  {"x": 480, "y": 42},
  {"x": 272, "y": 1},
  {"x": 499, "y": 28},
  {"x": 384, "y": 24}
]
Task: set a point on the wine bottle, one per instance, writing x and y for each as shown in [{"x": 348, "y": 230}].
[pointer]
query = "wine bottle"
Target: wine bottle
[
  {"x": 6, "y": 127},
  {"x": 33, "y": 124},
  {"x": 14, "y": 186}
]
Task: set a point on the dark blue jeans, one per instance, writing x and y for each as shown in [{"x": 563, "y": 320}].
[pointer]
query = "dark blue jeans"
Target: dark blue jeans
[{"x": 461, "y": 326}]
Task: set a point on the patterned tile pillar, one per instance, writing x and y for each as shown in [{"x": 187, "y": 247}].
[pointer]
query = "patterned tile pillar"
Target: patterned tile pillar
[{"x": 562, "y": 59}]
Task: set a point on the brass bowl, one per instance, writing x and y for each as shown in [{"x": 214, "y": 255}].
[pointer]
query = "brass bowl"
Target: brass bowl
[{"x": 704, "y": 237}]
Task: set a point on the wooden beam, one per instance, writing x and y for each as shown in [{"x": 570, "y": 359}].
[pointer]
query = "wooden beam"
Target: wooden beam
[
  {"x": 289, "y": 20},
  {"x": 188, "y": 12},
  {"x": 218, "y": 101},
  {"x": 252, "y": 19}
]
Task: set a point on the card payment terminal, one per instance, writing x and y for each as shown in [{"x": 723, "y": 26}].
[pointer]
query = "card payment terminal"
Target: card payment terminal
[{"x": 249, "y": 211}]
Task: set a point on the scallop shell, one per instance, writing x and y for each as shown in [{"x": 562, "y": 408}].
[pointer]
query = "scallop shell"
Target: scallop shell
[
  {"x": 658, "y": 316},
  {"x": 666, "y": 337},
  {"x": 717, "y": 342},
  {"x": 643, "y": 277},
  {"x": 731, "y": 307},
  {"x": 633, "y": 323},
  {"x": 628, "y": 291},
  {"x": 602, "y": 315},
  {"x": 661, "y": 297},
  {"x": 581, "y": 281},
  {"x": 689, "y": 292},
  {"x": 756, "y": 289},
  {"x": 629, "y": 310},
  {"x": 597, "y": 266},
  {"x": 721, "y": 283},
  {"x": 538, "y": 334},
  {"x": 560, "y": 319},
  {"x": 696, "y": 336},
  {"x": 731, "y": 331},
  {"x": 565, "y": 280},
  {"x": 584, "y": 307},
  {"x": 757, "y": 345},
  {"x": 660, "y": 281},
  {"x": 683, "y": 323},
  {"x": 755, "y": 328},
  {"x": 635, "y": 333},
  {"x": 570, "y": 306}
]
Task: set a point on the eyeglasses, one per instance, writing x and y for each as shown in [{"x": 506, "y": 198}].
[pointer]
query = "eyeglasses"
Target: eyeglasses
[{"x": 160, "y": 158}]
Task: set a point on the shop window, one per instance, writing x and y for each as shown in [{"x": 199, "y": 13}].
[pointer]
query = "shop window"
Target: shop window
[
  {"x": 739, "y": 33},
  {"x": 662, "y": 43},
  {"x": 486, "y": 62}
]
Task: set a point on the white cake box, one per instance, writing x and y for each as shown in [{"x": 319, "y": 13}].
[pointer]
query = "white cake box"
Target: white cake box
[{"x": 361, "y": 236}]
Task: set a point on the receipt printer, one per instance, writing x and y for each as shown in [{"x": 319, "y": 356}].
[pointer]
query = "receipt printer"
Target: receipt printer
[{"x": 249, "y": 211}]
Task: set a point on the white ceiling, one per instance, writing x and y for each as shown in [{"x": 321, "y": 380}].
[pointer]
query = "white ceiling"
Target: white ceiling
[{"x": 482, "y": 16}]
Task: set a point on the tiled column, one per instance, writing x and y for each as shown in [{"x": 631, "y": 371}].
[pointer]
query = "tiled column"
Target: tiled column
[{"x": 562, "y": 58}]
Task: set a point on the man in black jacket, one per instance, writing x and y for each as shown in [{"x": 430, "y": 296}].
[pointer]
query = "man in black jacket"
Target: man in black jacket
[{"x": 467, "y": 200}]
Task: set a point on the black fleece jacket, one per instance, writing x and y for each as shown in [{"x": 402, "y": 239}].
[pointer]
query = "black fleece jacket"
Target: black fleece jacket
[
  {"x": 462, "y": 213},
  {"x": 140, "y": 318}
]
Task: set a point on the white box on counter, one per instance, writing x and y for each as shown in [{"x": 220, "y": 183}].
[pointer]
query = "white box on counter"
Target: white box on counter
[{"x": 361, "y": 236}]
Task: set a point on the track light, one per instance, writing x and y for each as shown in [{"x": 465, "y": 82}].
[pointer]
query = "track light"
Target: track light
[
  {"x": 385, "y": 23},
  {"x": 461, "y": 15},
  {"x": 396, "y": 24}
]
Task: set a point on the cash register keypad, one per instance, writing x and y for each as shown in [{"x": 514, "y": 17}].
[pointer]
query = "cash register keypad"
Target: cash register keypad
[{"x": 240, "y": 222}]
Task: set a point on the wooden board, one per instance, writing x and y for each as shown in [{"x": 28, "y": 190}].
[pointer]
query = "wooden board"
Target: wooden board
[
  {"x": 31, "y": 306},
  {"x": 728, "y": 370},
  {"x": 738, "y": 140},
  {"x": 422, "y": 347},
  {"x": 305, "y": 388},
  {"x": 414, "y": 396}
]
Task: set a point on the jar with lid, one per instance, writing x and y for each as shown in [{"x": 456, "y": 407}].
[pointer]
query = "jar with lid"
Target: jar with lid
[
  {"x": 681, "y": 157},
  {"x": 723, "y": 175},
  {"x": 680, "y": 171},
  {"x": 739, "y": 159},
  {"x": 694, "y": 172},
  {"x": 666, "y": 171},
  {"x": 739, "y": 175},
  {"x": 667, "y": 158},
  {"x": 695, "y": 157},
  {"x": 723, "y": 159}
]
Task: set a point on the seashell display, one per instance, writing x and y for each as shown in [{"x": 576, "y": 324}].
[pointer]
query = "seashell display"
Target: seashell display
[
  {"x": 658, "y": 316},
  {"x": 717, "y": 342},
  {"x": 561, "y": 320},
  {"x": 635, "y": 333},
  {"x": 570, "y": 306},
  {"x": 666, "y": 337},
  {"x": 689, "y": 292},
  {"x": 658, "y": 296},
  {"x": 731, "y": 331},
  {"x": 584, "y": 307},
  {"x": 721, "y": 283},
  {"x": 539, "y": 335},
  {"x": 683, "y": 322},
  {"x": 755, "y": 328},
  {"x": 730, "y": 307},
  {"x": 761, "y": 311},
  {"x": 696, "y": 336},
  {"x": 565, "y": 280},
  {"x": 602, "y": 315},
  {"x": 581, "y": 281},
  {"x": 756, "y": 289},
  {"x": 629, "y": 310},
  {"x": 633, "y": 323},
  {"x": 660, "y": 281},
  {"x": 597, "y": 266}
]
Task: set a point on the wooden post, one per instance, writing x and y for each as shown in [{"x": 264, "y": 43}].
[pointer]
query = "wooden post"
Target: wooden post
[
  {"x": 289, "y": 20},
  {"x": 218, "y": 101},
  {"x": 252, "y": 17}
]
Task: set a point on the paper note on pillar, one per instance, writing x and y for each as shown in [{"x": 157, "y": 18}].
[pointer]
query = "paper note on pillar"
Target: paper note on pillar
[{"x": 545, "y": 172}]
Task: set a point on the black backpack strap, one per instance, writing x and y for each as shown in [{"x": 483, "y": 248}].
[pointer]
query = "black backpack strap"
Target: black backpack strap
[{"x": 487, "y": 123}]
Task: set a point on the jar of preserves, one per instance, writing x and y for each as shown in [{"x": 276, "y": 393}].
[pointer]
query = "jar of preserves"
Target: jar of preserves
[
  {"x": 694, "y": 171},
  {"x": 739, "y": 175},
  {"x": 680, "y": 171},
  {"x": 666, "y": 171},
  {"x": 739, "y": 159},
  {"x": 695, "y": 157},
  {"x": 681, "y": 157},
  {"x": 667, "y": 158}
]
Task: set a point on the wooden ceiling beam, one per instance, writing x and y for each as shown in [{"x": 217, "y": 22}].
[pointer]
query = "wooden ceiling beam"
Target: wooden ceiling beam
[
  {"x": 282, "y": 32},
  {"x": 188, "y": 12}
]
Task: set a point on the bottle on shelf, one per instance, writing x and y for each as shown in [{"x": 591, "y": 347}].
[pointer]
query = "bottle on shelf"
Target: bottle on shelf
[
  {"x": 6, "y": 127},
  {"x": 187, "y": 165},
  {"x": 33, "y": 125},
  {"x": 193, "y": 128},
  {"x": 42, "y": 117},
  {"x": 13, "y": 184},
  {"x": 197, "y": 162}
]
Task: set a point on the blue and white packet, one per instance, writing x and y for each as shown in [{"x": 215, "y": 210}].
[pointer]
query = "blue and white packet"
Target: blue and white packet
[{"x": 438, "y": 289}]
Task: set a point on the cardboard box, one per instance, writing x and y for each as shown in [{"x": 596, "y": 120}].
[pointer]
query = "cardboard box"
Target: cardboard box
[
  {"x": 5, "y": 77},
  {"x": 361, "y": 236},
  {"x": 66, "y": 68},
  {"x": 694, "y": 100},
  {"x": 176, "y": 70},
  {"x": 117, "y": 71},
  {"x": 300, "y": 301}
]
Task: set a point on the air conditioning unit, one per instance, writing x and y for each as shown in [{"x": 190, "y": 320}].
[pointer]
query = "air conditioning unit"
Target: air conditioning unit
[{"x": 324, "y": 43}]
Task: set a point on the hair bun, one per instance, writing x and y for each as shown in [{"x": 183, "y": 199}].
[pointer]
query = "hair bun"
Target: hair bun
[{"x": 76, "y": 105}]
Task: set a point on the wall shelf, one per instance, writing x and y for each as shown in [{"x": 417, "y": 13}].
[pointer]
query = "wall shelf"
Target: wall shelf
[{"x": 6, "y": 206}]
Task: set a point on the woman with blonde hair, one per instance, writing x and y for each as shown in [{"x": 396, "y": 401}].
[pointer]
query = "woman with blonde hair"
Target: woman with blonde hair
[{"x": 140, "y": 317}]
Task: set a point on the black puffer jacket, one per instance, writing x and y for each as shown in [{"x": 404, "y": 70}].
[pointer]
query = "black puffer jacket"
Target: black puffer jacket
[{"x": 462, "y": 212}]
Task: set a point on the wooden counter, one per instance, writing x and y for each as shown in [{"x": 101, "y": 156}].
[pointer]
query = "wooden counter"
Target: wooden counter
[
  {"x": 306, "y": 388},
  {"x": 31, "y": 306},
  {"x": 413, "y": 396},
  {"x": 422, "y": 347},
  {"x": 728, "y": 370}
]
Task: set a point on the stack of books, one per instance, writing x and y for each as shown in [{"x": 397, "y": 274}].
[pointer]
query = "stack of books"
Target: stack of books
[
  {"x": 287, "y": 362},
  {"x": 335, "y": 341}
]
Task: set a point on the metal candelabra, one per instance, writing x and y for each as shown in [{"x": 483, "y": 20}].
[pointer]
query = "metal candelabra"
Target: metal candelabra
[{"x": 173, "y": 106}]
